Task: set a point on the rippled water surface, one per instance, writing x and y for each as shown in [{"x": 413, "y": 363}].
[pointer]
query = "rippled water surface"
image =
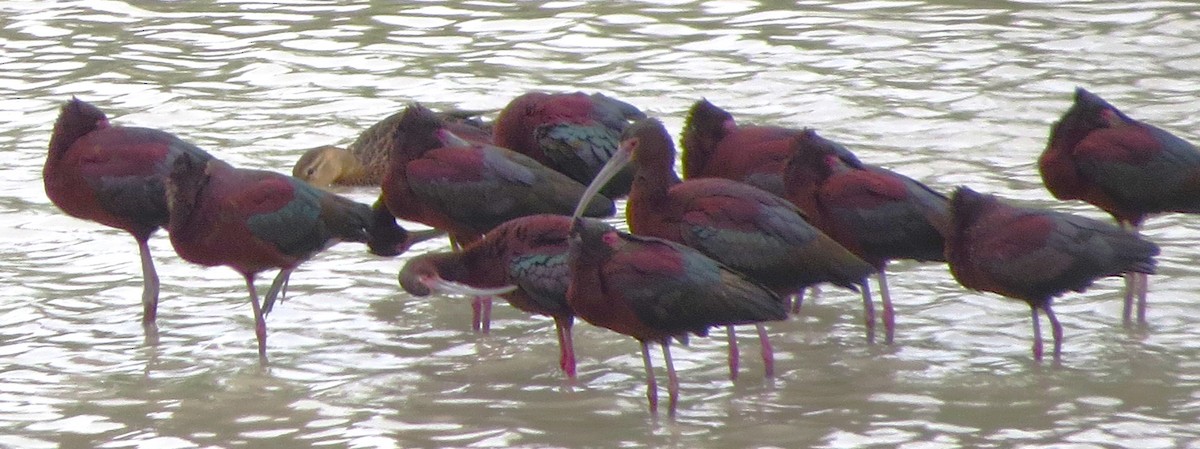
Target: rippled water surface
[{"x": 949, "y": 92}]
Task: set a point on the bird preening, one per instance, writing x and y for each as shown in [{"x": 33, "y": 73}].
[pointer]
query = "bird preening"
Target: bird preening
[{"x": 763, "y": 213}]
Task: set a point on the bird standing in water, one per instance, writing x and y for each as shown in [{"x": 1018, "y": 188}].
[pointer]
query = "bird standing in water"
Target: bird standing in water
[
  {"x": 114, "y": 175},
  {"x": 1127, "y": 168},
  {"x": 877, "y": 214},
  {"x": 736, "y": 224},
  {"x": 1036, "y": 255},
  {"x": 654, "y": 290},
  {"x": 255, "y": 220}
]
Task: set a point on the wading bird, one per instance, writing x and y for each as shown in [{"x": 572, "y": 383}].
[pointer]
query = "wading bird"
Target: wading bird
[
  {"x": 654, "y": 290},
  {"x": 739, "y": 225},
  {"x": 1036, "y": 255},
  {"x": 1127, "y": 168}
]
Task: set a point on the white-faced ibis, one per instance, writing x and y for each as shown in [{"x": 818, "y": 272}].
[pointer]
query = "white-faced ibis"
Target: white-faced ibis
[
  {"x": 255, "y": 220},
  {"x": 715, "y": 146},
  {"x": 750, "y": 230},
  {"x": 467, "y": 188},
  {"x": 877, "y": 214},
  {"x": 113, "y": 175},
  {"x": 654, "y": 290},
  {"x": 1036, "y": 255},
  {"x": 529, "y": 253},
  {"x": 364, "y": 162},
  {"x": 1127, "y": 168},
  {"x": 574, "y": 133}
]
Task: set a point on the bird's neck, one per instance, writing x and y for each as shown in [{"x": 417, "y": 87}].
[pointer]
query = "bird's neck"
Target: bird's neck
[{"x": 352, "y": 170}]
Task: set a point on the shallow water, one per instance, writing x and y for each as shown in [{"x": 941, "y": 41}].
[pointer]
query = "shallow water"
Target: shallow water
[{"x": 948, "y": 92}]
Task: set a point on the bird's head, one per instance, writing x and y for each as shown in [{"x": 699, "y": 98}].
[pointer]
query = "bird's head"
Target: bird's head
[{"x": 322, "y": 166}]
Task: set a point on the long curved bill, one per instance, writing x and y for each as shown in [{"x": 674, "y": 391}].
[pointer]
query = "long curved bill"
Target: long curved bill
[
  {"x": 619, "y": 160},
  {"x": 443, "y": 286}
]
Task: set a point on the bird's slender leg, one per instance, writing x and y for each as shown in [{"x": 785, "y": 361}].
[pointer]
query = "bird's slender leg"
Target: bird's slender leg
[
  {"x": 768, "y": 353},
  {"x": 797, "y": 301},
  {"x": 277, "y": 290},
  {"x": 672, "y": 379},
  {"x": 566, "y": 359},
  {"x": 481, "y": 306},
  {"x": 260, "y": 324},
  {"x": 149, "y": 287},
  {"x": 1131, "y": 282},
  {"x": 651, "y": 385},
  {"x": 868, "y": 312},
  {"x": 1037, "y": 334},
  {"x": 1143, "y": 289},
  {"x": 481, "y": 314},
  {"x": 1143, "y": 285},
  {"x": 1055, "y": 329},
  {"x": 889, "y": 314},
  {"x": 1127, "y": 309},
  {"x": 485, "y": 316},
  {"x": 476, "y": 312},
  {"x": 734, "y": 354}
]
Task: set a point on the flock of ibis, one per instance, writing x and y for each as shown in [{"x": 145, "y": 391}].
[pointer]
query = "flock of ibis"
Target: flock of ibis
[{"x": 762, "y": 214}]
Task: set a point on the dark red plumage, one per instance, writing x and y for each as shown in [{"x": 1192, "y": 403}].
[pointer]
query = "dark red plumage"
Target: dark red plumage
[
  {"x": 744, "y": 227},
  {"x": 574, "y": 133},
  {"x": 1036, "y": 255},
  {"x": 527, "y": 252},
  {"x": 467, "y": 188},
  {"x": 877, "y": 214},
  {"x": 255, "y": 220},
  {"x": 113, "y": 175},
  {"x": 715, "y": 146},
  {"x": 1127, "y": 168},
  {"x": 652, "y": 290}
]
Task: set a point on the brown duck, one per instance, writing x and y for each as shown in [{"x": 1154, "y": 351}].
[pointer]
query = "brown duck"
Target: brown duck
[{"x": 365, "y": 161}]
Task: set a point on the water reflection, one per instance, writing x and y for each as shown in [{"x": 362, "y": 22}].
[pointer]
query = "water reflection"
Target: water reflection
[{"x": 949, "y": 92}]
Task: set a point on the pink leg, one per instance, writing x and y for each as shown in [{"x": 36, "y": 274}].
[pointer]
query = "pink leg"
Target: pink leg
[
  {"x": 1037, "y": 335},
  {"x": 868, "y": 312},
  {"x": 566, "y": 359},
  {"x": 149, "y": 286},
  {"x": 260, "y": 324},
  {"x": 768, "y": 353},
  {"x": 149, "y": 294},
  {"x": 672, "y": 379},
  {"x": 481, "y": 314},
  {"x": 889, "y": 314},
  {"x": 1057, "y": 331},
  {"x": 651, "y": 385},
  {"x": 734, "y": 354}
]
